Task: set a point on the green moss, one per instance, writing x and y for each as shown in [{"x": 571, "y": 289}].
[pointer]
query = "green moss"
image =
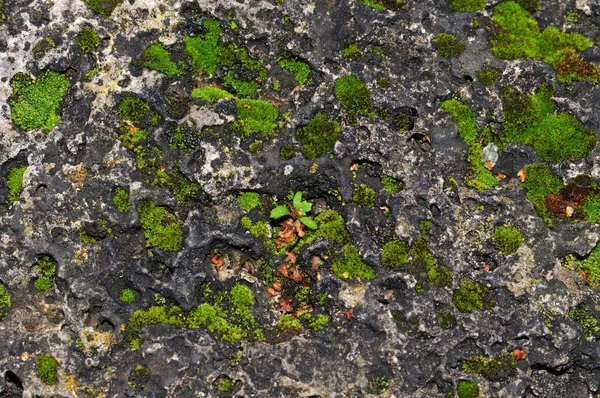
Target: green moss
[
  {"x": 103, "y": 7},
  {"x": 46, "y": 368},
  {"x": 487, "y": 76},
  {"x": 127, "y": 296},
  {"x": 517, "y": 35},
  {"x": 384, "y": 82},
  {"x": 121, "y": 199},
  {"x": 379, "y": 385},
  {"x": 508, "y": 239},
  {"x": 349, "y": 265},
  {"x": 354, "y": 96},
  {"x": 351, "y": 51},
  {"x": 332, "y": 227},
  {"x": 286, "y": 322},
  {"x": 210, "y": 94},
  {"x": 363, "y": 196},
  {"x": 43, "y": 283},
  {"x": 466, "y": 5},
  {"x": 43, "y": 46},
  {"x": 205, "y": 50},
  {"x": 248, "y": 200},
  {"x": 446, "y": 319},
  {"x": 318, "y": 137},
  {"x": 156, "y": 57},
  {"x": 258, "y": 229},
  {"x": 161, "y": 229},
  {"x": 88, "y": 39},
  {"x": 467, "y": 389},
  {"x": 585, "y": 317},
  {"x": 539, "y": 183},
  {"x": 5, "y": 302},
  {"x": 256, "y": 117},
  {"x": 14, "y": 181},
  {"x": 139, "y": 377},
  {"x": 494, "y": 368},
  {"x": 591, "y": 206},
  {"x": 471, "y": 296},
  {"x": 226, "y": 385},
  {"x": 479, "y": 177},
  {"x": 530, "y": 5},
  {"x": 34, "y": 103},
  {"x": 46, "y": 266},
  {"x": 590, "y": 266},
  {"x": 571, "y": 16},
  {"x": 395, "y": 254},
  {"x": 92, "y": 73},
  {"x": 2, "y": 12},
  {"x": 299, "y": 69},
  {"x": 137, "y": 111},
  {"x": 448, "y": 45},
  {"x": 287, "y": 152},
  {"x": 319, "y": 323},
  {"x": 393, "y": 5},
  {"x": 391, "y": 185}
]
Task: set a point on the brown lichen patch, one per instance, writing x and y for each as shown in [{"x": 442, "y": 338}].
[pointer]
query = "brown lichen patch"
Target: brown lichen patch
[
  {"x": 77, "y": 176},
  {"x": 96, "y": 341},
  {"x": 568, "y": 202}
]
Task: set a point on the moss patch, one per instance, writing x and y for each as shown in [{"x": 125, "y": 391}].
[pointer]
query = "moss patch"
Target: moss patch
[
  {"x": 156, "y": 57},
  {"x": 248, "y": 200},
  {"x": 287, "y": 152},
  {"x": 127, "y": 296},
  {"x": 496, "y": 368},
  {"x": 466, "y": 5},
  {"x": 211, "y": 94},
  {"x": 299, "y": 69},
  {"x": 332, "y": 227},
  {"x": 34, "y": 103},
  {"x": 121, "y": 199},
  {"x": 5, "y": 302},
  {"x": 349, "y": 265},
  {"x": 103, "y": 7},
  {"x": 539, "y": 183},
  {"x": 588, "y": 321},
  {"x": 205, "y": 50},
  {"x": 393, "y": 5},
  {"x": 14, "y": 181},
  {"x": 46, "y": 267},
  {"x": 354, "y": 96},
  {"x": 88, "y": 39},
  {"x": 508, "y": 239},
  {"x": 363, "y": 196},
  {"x": 467, "y": 389},
  {"x": 161, "y": 228},
  {"x": 395, "y": 254},
  {"x": 318, "y": 137},
  {"x": 487, "y": 76},
  {"x": 391, "y": 185},
  {"x": 46, "y": 368},
  {"x": 448, "y": 45},
  {"x": 517, "y": 35},
  {"x": 479, "y": 177},
  {"x": 256, "y": 117},
  {"x": 471, "y": 296}
]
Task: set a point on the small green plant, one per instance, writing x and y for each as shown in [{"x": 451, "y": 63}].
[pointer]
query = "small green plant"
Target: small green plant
[
  {"x": 248, "y": 200},
  {"x": 508, "y": 239},
  {"x": 43, "y": 283},
  {"x": 297, "y": 210},
  {"x": 34, "y": 103},
  {"x": 5, "y": 302},
  {"x": 393, "y": 5},
  {"x": 256, "y": 117},
  {"x": 88, "y": 39},
  {"x": 363, "y": 196},
  {"x": 47, "y": 369},
  {"x": 491, "y": 368},
  {"x": 471, "y": 296},
  {"x": 379, "y": 385},
  {"x": 395, "y": 253},
  {"x": 14, "y": 180},
  {"x": 448, "y": 45},
  {"x": 467, "y": 389},
  {"x": 121, "y": 199},
  {"x": 46, "y": 267},
  {"x": 156, "y": 57},
  {"x": 127, "y": 296}
]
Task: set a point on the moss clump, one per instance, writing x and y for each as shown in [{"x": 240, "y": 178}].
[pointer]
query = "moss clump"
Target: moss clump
[
  {"x": 43, "y": 46},
  {"x": 88, "y": 39},
  {"x": 286, "y": 322},
  {"x": 351, "y": 51},
  {"x": 34, "y": 103},
  {"x": 466, "y": 5},
  {"x": 287, "y": 152},
  {"x": 318, "y": 137},
  {"x": 471, "y": 296},
  {"x": 332, "y": 227},
  {"x": 248, "y": 200},
  {"x": 157, "y": 58},
  {"x": 46, "y": 267},
  {"x": 14, "y": 181},
  {"x": 591, "y": 206},
  {"x": 5, "y": 302},
  {"x": 47, "y": 369},
  {"x": 393, "y": 5},
  {"x": 349, "y": 265},
  {"x": 161, "y": 228},
  {"x": 363, "y": 196},
  {"x": 487, "y": 76},
  {"x": 590, "y": 266},
  {"x": 539, "y": 183},
  {"x": 205, "y": 50},
  {"x": 121, "y": 199},
  {"x": 395, "y": 254},
  {"x": 467, "y": 389},
  {"x": 43, "y": 284},
  {"x": 299, "y": 69},
  {"x": 139, "y": 377},
  {"x": 508, "y": 239},
  {"x": 448, "y": 45},
  {"x": 479, "y": 177},
  {"x": 211, "y": 94},
  {"x": 137, "y": 111},
  {"x": 256, "y": 117},
  {"x": 258, "y": 229},
  {"x": 391, "y": 185},
  {"x": 493, "y": 369},
  {"x": 103, "y": 7},
  {"x": 127, "y": 296},
  {"x": 530, "y": 5},
  {"x": 354, "y": 96},
  {"x": 585, "y": 317},
  {"x": 518, "y": 36}
]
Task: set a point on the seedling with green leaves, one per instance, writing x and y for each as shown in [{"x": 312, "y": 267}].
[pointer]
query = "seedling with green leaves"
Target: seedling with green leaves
[{"x": 297, "y": 210}]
